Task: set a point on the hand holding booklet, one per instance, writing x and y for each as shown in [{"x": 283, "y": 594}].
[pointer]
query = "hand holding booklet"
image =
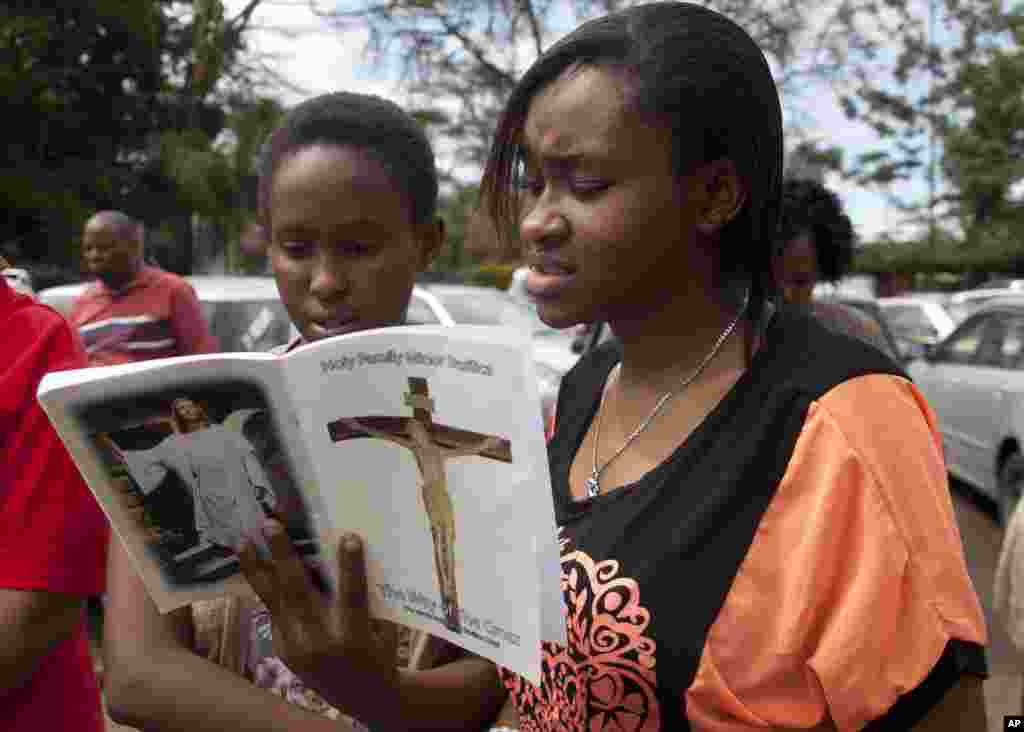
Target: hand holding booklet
[{"x": 427, "y": 442}]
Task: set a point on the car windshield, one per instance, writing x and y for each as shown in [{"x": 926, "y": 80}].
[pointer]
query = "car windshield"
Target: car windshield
[
  {"x": 419, "y": 312},
  {"x": 1000, "y": 284},
  {"x": 959, "y": 311},
  {"x": 908, "y": 319}
]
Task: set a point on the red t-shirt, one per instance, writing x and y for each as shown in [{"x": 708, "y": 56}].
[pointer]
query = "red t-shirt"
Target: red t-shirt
[
  {"x": 156, "y": 315},
  {"x": 53, "y": 536}
]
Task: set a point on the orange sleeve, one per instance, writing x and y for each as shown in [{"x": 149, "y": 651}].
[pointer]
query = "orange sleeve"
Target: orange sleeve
[{"x": 855, "y": 580}]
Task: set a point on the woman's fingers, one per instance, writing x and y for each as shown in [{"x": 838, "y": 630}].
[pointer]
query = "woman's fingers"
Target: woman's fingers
[
  {"x": 260, "y": 575},
  {"x": 294, "y": 583},
  {"x": 353, "y": 598},
  {"x": 387, "y": 636}
]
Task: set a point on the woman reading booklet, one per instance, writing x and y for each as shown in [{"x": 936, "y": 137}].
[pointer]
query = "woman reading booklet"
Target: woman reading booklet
[{"x": 348, "y": 193}]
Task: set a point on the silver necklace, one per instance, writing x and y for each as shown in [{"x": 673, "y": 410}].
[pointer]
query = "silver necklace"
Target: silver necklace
[{"x": 593, "y": 484}]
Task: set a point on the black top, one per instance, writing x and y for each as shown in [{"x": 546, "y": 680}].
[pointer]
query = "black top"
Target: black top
[{"x": 648, "y": 566}]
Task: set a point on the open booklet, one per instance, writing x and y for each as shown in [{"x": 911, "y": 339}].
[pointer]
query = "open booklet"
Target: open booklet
[{"x": 428, "y": 442}]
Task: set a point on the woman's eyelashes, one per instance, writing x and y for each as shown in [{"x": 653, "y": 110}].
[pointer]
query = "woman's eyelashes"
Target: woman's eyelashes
[
  {"x": 300, "y": 249},
  {"x": 581, "y": 187},
  {"x": 589, "y": 186},
  {"x": 297, "y": 249}
]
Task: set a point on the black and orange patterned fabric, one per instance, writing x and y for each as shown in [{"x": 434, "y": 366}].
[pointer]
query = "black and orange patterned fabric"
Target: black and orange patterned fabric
[{"x": 795, "y": 563}]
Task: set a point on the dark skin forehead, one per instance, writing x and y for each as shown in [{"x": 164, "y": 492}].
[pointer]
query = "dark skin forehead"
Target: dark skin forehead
[
  {"x": 564, "y": 124},
  {"x": 113, "y": 223},
  {"x": 303, "y": 194}
]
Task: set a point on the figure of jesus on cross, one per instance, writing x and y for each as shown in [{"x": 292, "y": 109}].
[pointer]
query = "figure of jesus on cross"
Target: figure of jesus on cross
[{"x": 432, "y": 444}]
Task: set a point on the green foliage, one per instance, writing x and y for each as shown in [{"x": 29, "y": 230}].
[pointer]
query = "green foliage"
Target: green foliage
[
  {"x": 203, "y": 176},
  {"x": 915, "y": 90},
  {"x": 114, "y": 104},
  {"x": 457, "y": 208},
  {"x": 808, "y": 159},
  {"x": 985, "y": 151},
  {"x": 994, "y": 252},
  {"x": 497, "y": 275},
  {"x": 76, "y": 83}
]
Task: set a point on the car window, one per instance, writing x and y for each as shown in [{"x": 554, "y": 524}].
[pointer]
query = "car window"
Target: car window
[
  {"x": 885, "y": 339},
  {"x": 60, "y": 303},
  {"x": 908, "y": 320},
  {"x": 963, "y": 345},
  {"x": 497, "y": 308},
  {"x": 1011, "y": 354},
  {"x": 969, "y": 306},
  {"x": 248, "y": 325},
  {"x": 420, "y": 313},
  {"x": 990, "y": 351},
  {"x": 473, "y": 309}
]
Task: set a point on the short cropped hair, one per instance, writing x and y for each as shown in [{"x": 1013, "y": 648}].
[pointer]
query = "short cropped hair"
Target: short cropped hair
[{"x": 379, "y": 129}]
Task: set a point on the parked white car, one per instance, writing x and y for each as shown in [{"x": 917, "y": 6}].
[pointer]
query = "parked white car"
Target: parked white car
[
  {"x": 517, "y": 286},
  {"x": 552, "y": 349},
  {"x": 962, "y": 304},
  {"x": 916, "y": 322},
  {"x": 974, "y": 380},
  {"x": 1003, "y": 283},
  {"x": 19, "y": 279}
]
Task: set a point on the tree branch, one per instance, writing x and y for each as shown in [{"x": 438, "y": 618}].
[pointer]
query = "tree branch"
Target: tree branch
[
  {"x": 500, "y": 75},
  {"x": 535, "y": 32},
  {"x": 239, "y": 23}
]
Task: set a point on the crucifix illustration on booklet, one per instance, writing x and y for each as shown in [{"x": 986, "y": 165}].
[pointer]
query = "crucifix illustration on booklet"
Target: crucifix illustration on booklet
[{"x": 432, "y": 444}]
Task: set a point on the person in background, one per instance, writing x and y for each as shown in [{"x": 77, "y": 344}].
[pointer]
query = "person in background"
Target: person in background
[
  {"x": 53, "y": 536},
  {"x": 816, "y": 244},
  {"x": 133, "y": 312},
  {"x": 815, "y": 240}
]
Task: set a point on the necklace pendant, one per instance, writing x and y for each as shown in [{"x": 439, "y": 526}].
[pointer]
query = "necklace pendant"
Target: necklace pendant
[{"x": 593, "y": 485}]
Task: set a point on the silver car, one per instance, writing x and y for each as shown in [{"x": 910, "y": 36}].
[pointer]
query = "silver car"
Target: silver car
[
  {"x": 916, "y": 322},
  {"x": 552, "y": 349},
  {"x": 962, "y": 304},
  {"x": 974, "y": 380},
  {"x": 19, "y": 280}
]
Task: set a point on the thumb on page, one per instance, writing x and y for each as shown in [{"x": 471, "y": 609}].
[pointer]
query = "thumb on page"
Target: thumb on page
[{"x": 352, "y": 591}]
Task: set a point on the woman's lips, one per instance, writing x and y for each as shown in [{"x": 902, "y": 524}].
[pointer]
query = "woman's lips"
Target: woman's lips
[
  {"x": 548, "y": 278},
  {"x": 333, "y": 328}
]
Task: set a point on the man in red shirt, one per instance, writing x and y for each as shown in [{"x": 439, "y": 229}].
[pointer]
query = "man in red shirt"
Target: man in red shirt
[
  {"x": 53, "y": 536},
  {"x": 134, "y": 312}
]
